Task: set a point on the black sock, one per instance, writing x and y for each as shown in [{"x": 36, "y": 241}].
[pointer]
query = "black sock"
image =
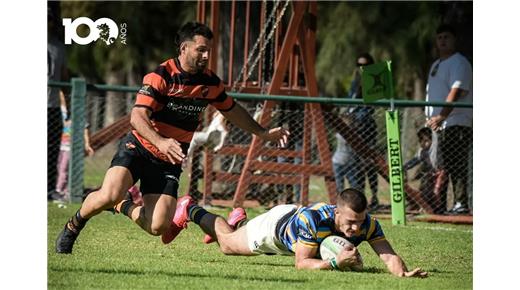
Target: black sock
[
  {"x": 196, "y": 213},
  {"x": 77, "y": 222},
  {"x": 241, "y": 224},
  {"x": 125, "y": 206}
]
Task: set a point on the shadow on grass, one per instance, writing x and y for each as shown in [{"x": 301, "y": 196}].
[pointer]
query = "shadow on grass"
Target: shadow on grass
[
  {"x": 244, "y": 263},
  {"x": 167, "y": 273},
  {"x": 269, "y": 264},
  {"x": 375, "y": 270},
  {"x": 435, "y": 270}
]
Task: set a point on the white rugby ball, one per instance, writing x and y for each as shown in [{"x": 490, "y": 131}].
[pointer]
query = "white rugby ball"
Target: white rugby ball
[{"x": 331, "y": 246}]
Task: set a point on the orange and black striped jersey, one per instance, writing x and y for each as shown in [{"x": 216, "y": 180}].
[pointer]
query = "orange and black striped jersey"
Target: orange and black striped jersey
[{"x": 177, "y": 100}]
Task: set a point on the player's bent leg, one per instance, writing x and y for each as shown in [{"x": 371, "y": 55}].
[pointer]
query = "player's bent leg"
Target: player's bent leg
[
  {"x": 231, "y": 241},
  {"x": 117, "y": 181},
  {"x": 214, "y": 225},
  {"x": 156, "y": 214},
  {"x": 236, "y": 218},
  {"x": 235, "y": 243}
]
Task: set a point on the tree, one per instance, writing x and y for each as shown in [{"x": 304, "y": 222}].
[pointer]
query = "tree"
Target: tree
[
  {"x": 400, "y": 31},
  {"x": 151, "y": 29}
]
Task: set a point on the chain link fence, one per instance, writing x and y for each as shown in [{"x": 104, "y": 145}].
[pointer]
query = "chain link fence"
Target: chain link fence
[
  {"x": 354, "y": 161},
  {"x": 353, "y": 165}
]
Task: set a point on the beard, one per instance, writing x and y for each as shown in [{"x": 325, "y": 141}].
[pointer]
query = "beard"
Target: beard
[{"x": 200, "y": 65}]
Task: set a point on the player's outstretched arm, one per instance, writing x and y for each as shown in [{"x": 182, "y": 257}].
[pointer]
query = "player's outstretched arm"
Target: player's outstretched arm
[
  {"x": 393, "y": 262},
  {"x": 304, "y": 258},
  {"x": 239, "y": 117}
]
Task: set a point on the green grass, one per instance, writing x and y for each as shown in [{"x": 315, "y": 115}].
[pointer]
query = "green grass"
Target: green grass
[{"x": 113, "y": 253}]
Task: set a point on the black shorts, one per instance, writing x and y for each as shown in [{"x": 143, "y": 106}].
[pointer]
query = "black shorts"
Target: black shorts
[{"x": 156, "y": 175}]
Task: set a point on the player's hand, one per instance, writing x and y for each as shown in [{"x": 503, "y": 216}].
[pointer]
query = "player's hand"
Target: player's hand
[
  {"x": 278, "y": 135},
  {"x": 417, "y": 272},
  {"x": 349, "y": 258},
  {"x": 172, "y": 149},
  {"x": 435, "y": 122}
]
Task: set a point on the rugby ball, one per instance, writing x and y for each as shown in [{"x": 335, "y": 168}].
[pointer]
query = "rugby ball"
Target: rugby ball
[{"x": 331, "y": 246}]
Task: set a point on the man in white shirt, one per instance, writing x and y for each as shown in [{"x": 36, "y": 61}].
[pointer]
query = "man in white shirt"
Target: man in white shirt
[{"x": 450, "y": 80}]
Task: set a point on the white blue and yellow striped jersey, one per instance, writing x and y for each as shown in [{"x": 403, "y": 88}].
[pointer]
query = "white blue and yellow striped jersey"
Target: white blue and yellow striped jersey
[{"x": 310, "y": 225}]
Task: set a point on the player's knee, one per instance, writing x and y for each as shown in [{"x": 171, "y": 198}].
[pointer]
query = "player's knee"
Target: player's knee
[
  {"x": 225, "y": 246},
  {"x": 158, "y": 228},
  {"x": 110, "y": 196},
  {"x": 225, "y": 249}
]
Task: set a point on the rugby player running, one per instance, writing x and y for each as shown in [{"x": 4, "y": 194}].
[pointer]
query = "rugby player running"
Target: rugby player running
[{"x": 166, "y": 113}]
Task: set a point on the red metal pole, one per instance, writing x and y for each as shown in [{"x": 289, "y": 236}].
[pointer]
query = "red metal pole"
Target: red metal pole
[
  {"x": 231, "y": 43},
  {"x": 246, "y": 41},
  {"x": 274, "y": 88},
  {"x": 263, "y": 12},
  {"x": 201, "y": 11},
  {"x": 216, "y": 35}
]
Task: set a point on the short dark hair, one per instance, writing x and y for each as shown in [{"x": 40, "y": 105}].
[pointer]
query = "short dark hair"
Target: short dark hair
[
  {"x": 189, "y": 30},
  {"x": 353, "y": 198},
  {"x": 424, "y": 131},
  {"x": 446, "y": 28}
]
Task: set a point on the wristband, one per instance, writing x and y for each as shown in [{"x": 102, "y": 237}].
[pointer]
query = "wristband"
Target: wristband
[{"x": 334, "y": 264}]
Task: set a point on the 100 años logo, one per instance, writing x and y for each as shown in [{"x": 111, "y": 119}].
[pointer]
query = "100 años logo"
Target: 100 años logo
[{"x": 103, "y": 28}]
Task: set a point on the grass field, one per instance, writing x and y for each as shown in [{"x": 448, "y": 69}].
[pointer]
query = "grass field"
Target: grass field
[{"x": 113, "y": 253}]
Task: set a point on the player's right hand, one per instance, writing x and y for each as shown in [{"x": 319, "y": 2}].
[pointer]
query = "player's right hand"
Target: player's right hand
[
  {"x": 278, "y": 135},
  {"x": 349, "y": 258},
  {"x": 172, "y": 149}
]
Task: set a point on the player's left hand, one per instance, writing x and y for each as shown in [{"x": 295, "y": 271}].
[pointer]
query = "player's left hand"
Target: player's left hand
[
  {"x": 417, "y": 272},
  {"x": 278, "y": 135}
]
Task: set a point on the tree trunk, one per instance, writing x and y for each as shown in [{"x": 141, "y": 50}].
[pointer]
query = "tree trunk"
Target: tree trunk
[
  {"x": 131, "y": 80},
  {"x": 115, "y": 101}
]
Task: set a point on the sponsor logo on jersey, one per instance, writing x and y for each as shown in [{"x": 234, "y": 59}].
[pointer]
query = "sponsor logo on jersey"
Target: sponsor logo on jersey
[{"x": 305, "y": 234}]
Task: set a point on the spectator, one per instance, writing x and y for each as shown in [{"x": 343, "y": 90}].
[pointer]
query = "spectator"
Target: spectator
[
  {"x": 340, "y": 161},
  {"x": 450, "y": 80},
  {"x": 61, "y": 193},
  {"x": 55, "y": 72},
  {"x": 362, "y": 120},
  {"x": 426, "y": 173}
]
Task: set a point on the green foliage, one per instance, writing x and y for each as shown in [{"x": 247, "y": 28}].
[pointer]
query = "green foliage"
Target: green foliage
[
  {"x": 399, "y": 31},
  {"x": 151, "y": 27},
  {"x": 113, "y": 253}
]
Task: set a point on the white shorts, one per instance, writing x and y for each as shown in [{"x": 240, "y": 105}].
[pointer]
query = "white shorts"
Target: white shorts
[{"x": 261, "y": 231}]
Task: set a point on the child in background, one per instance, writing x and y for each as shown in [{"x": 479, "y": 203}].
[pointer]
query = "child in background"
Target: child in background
[
  {"x": 62, "y": 194},
  {"x": 426, "y": 173}
]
